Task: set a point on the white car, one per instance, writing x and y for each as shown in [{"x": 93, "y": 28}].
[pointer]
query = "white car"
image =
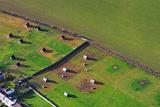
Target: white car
[{"x": 9, "y": 91}]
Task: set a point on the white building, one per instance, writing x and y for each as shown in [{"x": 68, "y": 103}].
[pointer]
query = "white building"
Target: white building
[
  {"x": 66, "y": 94},
  {"x": 8, "y": 101},
  {"x": 92, "y": 81},
  {"x": 65, "y": 69},
  {"x": 85, "y": 57}
]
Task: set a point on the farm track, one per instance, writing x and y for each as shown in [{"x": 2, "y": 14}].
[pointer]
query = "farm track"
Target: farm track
[{"x": 93, "y": 43}]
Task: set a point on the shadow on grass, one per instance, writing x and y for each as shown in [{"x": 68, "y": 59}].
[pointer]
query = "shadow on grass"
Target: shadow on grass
[
  {"x": 52, "y": 81},
  {"x": 92, "y": 59},
  {"x": 25, "y": 66},
  {"x": 17, "y": 37},
  {"x": 72, "y": 96},
  {"x": 43, "y": 30},
  {"x": 72, "y": 71},
  {"x": 19, "y": 59},
  {"x": 99, "y": 83},
  {"x": 27, "y": 42}
]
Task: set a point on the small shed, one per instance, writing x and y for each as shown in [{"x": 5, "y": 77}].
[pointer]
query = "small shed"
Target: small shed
[
  {"x": 11, "y": 35},
  {"x": 65, "y": 69},
  {"x": 28, "y": 24},
  {"x": 45, "y": 79},
  {"x": 21, "y": 41},
  {"x": 43, "y": 50},
  {"x": 85, "y": 57},
  {"x": 92, "y": 81},
  {"x": 66, "y": 94},
  {"x": 12, "y": 57},
  {"x": 18, "y": 64},
  {"x": 39, "y": 28},
  {"x": 62, "y": 37}
]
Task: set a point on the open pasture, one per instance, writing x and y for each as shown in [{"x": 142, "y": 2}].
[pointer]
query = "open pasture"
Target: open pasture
[
  {"x": 118, "y": 83},
  {"x": 26, "y": 50},
  {"x": 130, "y": 27}
]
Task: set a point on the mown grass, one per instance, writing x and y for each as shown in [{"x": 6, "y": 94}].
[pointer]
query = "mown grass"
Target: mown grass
[
  {"x": 39, "y": 59},
  {"x": 157, "y": 98},
  {"x": 129, "y": 27}
]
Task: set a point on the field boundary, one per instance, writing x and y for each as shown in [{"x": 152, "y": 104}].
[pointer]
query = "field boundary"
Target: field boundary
[{"x": 91, "y": 42}]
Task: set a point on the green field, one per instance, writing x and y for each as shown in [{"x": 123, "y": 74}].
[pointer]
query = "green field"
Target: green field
[
  {"x": 129, "y": 27},
  {"x": 122, "y": 87},
  {"x": 29, "y": 53}
]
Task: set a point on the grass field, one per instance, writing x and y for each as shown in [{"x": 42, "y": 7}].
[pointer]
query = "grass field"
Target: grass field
[
  {"x": 123, "y": 86},
  {"x": 29, "y": 53},
  {"x": 129, "y": 27}
]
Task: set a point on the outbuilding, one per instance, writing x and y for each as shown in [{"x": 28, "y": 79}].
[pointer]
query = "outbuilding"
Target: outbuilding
[
  {"x": 45, "y": 79},
  {"x": 92, "y": 81},
  {"x": 65, "y": 69},
  {"x": 66, "y": 94},
  {"x": 85, "y": 57}
]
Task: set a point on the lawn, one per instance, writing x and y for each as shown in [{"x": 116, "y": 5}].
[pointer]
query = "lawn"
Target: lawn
[
  {"x": 129, "y": 27},
  {"x": 127, "y": 86}
]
